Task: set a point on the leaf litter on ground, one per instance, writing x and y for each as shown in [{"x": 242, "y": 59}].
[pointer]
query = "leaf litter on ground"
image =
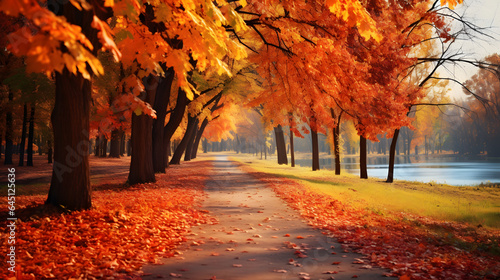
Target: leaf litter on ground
[{"x": 127, "y": 227}]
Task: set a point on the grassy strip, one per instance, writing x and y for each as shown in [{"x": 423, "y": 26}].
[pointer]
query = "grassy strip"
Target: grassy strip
[
  {"x": 410, "y": 245},
  {"x": 126, "y": 228},
  {"x": 478, "y": 206}
]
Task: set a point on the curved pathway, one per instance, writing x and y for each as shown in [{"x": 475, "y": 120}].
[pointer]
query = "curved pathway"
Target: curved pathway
[{"x": 257, "y": 237}]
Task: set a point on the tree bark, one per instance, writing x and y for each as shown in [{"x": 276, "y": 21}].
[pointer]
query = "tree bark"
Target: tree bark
[
  {"x": 114, "y": 150},
  {"x": 190, "y": 144},
  {"x": 103, "y": 147},
  {"x": 392, "y": 155},
  {"x": 292, "y": 150},
  {"x": 176, "y": 158},
  {"x": 315, "y": 150},
  {"x": 49, "y": 152},
  {"x": 70, "y": 184},
  {"x": 362, "y": 158},
  {"x": 141, "y": 162},
  {"x": 122, "y": 143},
  {"x": 97, "y": 146},
  {"x": 336, "y": 148},
  {"x": 40, "y": 145},
  {"x": 280, "y": 145},
  {"x": 9, "y": 131},
  {"x": 31, "y": 132},
  {"x": 336, "y": 141},
  {"x": 174, "y": 121},
  {"x": 160, "y": 106},
  {"x": 205, "y": 146},
  {"x": 199, "y": 134},
  {"x": 22, "y": 146}
]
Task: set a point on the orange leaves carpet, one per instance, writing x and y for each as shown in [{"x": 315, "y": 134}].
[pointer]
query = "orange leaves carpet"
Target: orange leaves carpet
[{"x": 127, "y": 227}]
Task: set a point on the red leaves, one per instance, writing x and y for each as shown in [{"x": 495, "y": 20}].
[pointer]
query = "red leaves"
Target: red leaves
[{"x": 126, "y": 228}]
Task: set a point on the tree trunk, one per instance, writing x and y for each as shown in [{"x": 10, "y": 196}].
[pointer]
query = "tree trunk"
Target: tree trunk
[
  {"x": 70, "y": 185},
  {"x": 122, "y": 143},
  {"x": 336, "y": 148},
  {"x": 392, "y": 155},
  {"x": 362, "y": 158},
  {"x": 315, "y": 150},
  {"x": 97, "y": 146},
  {"x": 280, "y": 145},
  {"x": 192, "y": 138},
  {"x": 31, "y": 136},
  {"x": 103, "y": 147},
  {"x": 129, "y": 146},
  {"x": 160, "y": 106},
  {"x": 114, "y": 150},
  {"x": 9, "y": 131},
  {"x": 199, "y": 134},
  {"x": 336, "y": 141},
  {"x": 49, "y": 152},
  {"x": 176, "y": 158},
  {"x": 292, "y": 150},
  {"x": 141, "y": 162},
  {"x": 22, "y": 146},
  {"x": 40, "y": 145},
  {"x": 175, "y": 119}
]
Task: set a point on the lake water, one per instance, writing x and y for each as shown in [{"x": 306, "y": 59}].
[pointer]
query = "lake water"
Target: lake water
[{"x": 451, "y": 170}]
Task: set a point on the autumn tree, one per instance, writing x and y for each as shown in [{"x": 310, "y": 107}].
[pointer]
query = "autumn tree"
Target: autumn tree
[
  {"x": 77, "y": 31},
  {"x": 486, "y": 85}
]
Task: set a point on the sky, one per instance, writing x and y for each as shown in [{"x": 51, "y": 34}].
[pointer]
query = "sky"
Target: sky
[{"x": 486, "y": 14}]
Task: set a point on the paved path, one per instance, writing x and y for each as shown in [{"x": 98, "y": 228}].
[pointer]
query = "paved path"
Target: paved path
[{"x": 256, "y": 238}]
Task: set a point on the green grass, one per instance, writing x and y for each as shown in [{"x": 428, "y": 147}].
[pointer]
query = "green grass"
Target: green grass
[{"x": 474, "y": 205}]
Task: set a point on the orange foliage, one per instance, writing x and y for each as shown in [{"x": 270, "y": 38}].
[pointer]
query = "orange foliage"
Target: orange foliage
[{"x": 318, "y": 62}]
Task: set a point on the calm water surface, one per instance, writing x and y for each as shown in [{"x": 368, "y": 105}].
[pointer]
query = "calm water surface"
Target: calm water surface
[{"x": 447, "y": 169}]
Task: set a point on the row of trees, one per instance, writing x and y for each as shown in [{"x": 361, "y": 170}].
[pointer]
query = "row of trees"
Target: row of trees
[{"x": 189, "y": 63}]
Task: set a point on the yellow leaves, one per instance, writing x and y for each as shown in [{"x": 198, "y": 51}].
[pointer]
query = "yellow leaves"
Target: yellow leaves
[
  {"x": 355, "y": 14},
  {"x": 105, "y": 38},
  {"x": 451, "y": 3},
  {"x": 70, "y": 63},
  {"x": 109, "y": 3},
  {"x": 79, "y": 4}
]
